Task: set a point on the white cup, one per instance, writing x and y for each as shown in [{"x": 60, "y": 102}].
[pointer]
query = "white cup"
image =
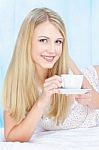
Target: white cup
[{"x": 71, "y": 81}]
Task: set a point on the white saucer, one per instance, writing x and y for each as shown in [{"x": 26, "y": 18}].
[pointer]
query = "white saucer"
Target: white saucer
[{"x": 73, "y": 91}]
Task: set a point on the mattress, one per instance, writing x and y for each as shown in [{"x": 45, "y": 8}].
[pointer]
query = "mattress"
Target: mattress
[{"x": 75, "y": 139}]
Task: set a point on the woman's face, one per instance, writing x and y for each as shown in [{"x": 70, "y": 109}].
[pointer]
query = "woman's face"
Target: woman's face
[{"x": 47, "y": 45}]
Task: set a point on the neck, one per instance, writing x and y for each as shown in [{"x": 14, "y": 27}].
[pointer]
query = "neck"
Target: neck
[{"x": 42, "y": 75}]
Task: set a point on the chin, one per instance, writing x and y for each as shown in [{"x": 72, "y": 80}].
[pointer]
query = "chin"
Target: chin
[{"x": 48, "y": 66}]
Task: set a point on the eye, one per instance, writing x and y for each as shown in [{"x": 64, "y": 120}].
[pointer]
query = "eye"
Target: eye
[
  {"x": 43, "y": 40},
  {"x": 59, "y": 41}
]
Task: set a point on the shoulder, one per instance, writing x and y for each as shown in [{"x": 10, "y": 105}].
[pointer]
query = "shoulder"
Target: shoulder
[{"x": 97, "y": 69}]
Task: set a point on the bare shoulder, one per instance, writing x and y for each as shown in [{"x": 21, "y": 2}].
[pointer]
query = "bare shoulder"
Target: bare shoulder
[{"x": 97, "y": 69}]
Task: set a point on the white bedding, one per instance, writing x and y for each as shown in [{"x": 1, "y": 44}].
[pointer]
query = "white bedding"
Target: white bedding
[{"x": 75, "y": 139}]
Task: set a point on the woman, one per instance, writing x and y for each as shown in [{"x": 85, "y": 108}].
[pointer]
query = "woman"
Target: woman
[{"x": 31, "y": 89}]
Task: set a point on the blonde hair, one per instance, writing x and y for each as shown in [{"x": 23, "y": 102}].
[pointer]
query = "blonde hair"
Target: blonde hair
[{"x": 20, "y": 87}]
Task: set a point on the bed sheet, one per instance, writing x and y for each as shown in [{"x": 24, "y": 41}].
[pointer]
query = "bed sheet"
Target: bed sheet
[{"x": 75, "y": 139}]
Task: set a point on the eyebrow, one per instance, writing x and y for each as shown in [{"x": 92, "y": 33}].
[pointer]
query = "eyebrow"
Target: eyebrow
[
  {"x": 43, "y": 37},
  {"x": 49, "y": 38}
]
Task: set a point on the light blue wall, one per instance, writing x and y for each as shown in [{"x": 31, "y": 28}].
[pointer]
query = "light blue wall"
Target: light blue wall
[
  {"x": 95, "y": 31},
  {"x": 81, "y": 18}
]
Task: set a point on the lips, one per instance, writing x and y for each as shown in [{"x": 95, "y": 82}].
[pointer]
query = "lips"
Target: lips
[{"x": 48, "y": 58}]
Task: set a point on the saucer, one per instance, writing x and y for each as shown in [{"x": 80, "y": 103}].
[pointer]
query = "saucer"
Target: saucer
[{"x": 73, "y": 91}]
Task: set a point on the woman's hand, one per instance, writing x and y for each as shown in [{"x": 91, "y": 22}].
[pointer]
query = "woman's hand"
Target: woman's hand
[
  {"x": 90, "y": 98},
  {"x": 85, "y": 99},
  {"x": 50, "y": 87}
]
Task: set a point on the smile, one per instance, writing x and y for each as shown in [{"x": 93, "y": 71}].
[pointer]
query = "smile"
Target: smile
[{"x": 48, "y": 58}]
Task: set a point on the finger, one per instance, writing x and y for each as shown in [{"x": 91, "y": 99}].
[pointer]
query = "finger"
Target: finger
[
  {"x": 51, "y": 86},
  {"x": 55, "y": 77},
  {"x": 84, "y": 96},
  {"x": 51, "y": 92},
  {"x": 84, "y": 101},
  {"x": 55, "y": 82}
]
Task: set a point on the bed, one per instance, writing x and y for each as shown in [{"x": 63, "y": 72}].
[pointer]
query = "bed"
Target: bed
[{"x": 75, "y": 139}]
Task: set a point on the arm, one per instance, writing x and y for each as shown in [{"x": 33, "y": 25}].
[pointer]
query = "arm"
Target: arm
[
  {"x": 95, "y": 99},
  {"x": 92, "y": 98},
  {"x": 24, "y": 130}
]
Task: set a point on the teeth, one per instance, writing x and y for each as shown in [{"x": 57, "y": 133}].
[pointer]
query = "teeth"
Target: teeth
[{"x": 48, "y": 58}]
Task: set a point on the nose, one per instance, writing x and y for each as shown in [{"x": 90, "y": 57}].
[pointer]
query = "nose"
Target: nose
[{"x": 51, "y": 48}]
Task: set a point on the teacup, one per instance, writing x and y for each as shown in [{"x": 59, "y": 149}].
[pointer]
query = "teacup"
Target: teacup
[{"x": 71, "y": 81}]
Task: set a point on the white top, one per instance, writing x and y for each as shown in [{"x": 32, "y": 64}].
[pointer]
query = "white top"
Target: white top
[{"x": 80, "y": 116}]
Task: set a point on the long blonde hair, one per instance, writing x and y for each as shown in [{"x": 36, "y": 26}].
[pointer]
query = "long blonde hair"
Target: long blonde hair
[{"x": 20, "y": 87}]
